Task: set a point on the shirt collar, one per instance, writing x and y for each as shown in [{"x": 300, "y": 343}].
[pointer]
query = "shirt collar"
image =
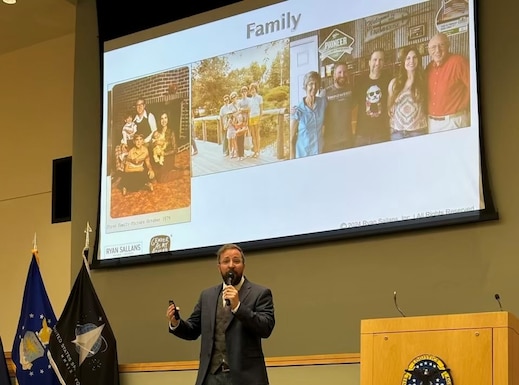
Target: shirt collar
[{"x": 139, "y": 118}]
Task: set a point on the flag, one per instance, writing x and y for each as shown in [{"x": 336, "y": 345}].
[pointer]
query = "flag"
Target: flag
[
  {"x": 31, "y": 341},
  {"x": 82, "y": 347},
  {"x": 4, "y": 372}
]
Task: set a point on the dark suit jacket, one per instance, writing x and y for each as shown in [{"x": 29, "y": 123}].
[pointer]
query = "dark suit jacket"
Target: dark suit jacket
[{"x": 253, "y": 321}]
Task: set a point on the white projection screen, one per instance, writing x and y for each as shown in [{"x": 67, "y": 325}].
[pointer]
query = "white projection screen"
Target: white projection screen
[{"x": 287, "y": 188}]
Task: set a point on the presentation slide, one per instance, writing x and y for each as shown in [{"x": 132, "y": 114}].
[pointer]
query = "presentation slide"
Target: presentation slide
[{"x": 296, "y": 119}]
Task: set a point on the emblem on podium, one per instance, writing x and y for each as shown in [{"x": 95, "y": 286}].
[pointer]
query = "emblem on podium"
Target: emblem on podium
[{"x": 427, "y": 369}]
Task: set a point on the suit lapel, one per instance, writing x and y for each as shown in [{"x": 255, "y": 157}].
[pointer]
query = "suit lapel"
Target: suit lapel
[
  {"x": 245, "y": 291},
  {"x": 213, "y": 303}
]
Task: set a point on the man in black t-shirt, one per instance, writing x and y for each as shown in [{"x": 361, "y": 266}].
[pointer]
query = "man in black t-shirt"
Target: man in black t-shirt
[
  {"x": 338, "y": 133},
  {"x": 370, "y": 98}
]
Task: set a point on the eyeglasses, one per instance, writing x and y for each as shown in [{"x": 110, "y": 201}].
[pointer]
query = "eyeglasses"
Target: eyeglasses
[
  {"x": 235, "y": 261},
  {"x": 140, "y": 104}
]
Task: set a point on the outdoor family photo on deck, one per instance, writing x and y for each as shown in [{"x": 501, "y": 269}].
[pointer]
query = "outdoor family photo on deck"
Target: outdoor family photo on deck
[{"x": 240, "y": 104}]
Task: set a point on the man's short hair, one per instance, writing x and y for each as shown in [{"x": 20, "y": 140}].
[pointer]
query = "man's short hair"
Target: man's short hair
[
  {"x": 381, "y": 50},
  {"x": 340, "y": 63},
  {"x": 229, "y": 246}
]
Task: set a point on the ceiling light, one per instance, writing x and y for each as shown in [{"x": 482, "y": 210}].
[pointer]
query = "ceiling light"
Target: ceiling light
[{"x": 9, "y": 1}]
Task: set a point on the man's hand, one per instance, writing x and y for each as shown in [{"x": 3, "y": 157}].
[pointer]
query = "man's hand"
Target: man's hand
[
  {"x": 170, "y": 315},
  {"x": 232, "y": 295}
]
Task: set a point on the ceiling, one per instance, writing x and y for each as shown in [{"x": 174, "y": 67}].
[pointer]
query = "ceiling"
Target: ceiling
[{"x": 30, "y": 22}]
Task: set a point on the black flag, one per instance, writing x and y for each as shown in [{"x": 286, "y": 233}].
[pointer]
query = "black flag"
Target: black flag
[{"x": 82, "y": 347}]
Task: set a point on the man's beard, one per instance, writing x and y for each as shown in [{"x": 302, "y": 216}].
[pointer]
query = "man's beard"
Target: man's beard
[
  {"x": 341, "y": 82},
  {"x": 235, "y": 279}
]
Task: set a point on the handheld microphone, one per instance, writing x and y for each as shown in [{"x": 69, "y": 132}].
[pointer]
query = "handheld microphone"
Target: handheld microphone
[
  {"x": 396, "y": 305},
  {"x": 228, "y": 281},
  {"x": 498, "y": 299}
]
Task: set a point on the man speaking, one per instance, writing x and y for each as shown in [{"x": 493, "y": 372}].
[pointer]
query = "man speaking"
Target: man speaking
[{"x": 232, "y": 318}]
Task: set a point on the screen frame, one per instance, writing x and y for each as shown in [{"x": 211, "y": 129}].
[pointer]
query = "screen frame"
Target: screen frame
[{"x": 488, "y": 213}]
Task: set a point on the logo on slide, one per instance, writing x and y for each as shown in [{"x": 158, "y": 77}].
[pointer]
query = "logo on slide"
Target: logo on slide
[
  {"x": 336, "y": 45},
  {"x": 159, "y": 244}
]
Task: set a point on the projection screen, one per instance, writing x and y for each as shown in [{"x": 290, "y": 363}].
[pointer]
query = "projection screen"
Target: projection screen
[{"x": 293, "y": 158}]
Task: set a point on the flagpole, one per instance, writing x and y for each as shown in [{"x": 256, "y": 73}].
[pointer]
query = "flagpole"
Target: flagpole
[{"x": 88, "y": 230}]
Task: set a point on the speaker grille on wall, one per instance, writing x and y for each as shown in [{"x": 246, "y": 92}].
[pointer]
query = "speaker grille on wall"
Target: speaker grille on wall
[{"x": 61, "y": 189}]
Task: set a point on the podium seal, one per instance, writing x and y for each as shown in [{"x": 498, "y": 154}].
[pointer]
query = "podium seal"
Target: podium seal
[{"x": 427, "y": 369}]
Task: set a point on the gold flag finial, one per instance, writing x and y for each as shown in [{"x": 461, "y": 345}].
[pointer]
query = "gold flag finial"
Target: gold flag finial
[
  {"x": 88, "y": 230},
  {"x": 35, "y": 249}
]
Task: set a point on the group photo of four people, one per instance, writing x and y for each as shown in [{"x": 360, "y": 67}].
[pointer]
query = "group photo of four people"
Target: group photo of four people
[
  {"x": 147, "y": 149},
  {"x": 378, "y": 106}
]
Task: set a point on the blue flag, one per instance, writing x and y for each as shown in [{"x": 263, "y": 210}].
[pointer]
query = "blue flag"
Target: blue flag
[
  {"x": 4, "y": 372},
  {"x": 31, "y": 341},
  {"x": 82, "y": 347}
]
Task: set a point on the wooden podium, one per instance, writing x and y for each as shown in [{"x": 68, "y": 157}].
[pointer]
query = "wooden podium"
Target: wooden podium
[{"x": 479, "y": 348}]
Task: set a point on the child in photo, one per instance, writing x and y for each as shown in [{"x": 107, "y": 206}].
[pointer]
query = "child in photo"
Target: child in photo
[
  {"x": 129, "y": 129},
  {"x": 158, "y": 147}
]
